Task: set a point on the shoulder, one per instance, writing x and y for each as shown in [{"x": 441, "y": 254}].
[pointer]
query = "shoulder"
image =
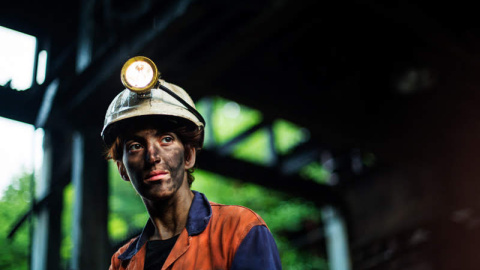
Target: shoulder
[
  {"x": 124, "y": 247},
  {"x": 254, "y": 245},
  {"x": 115, "y": 261},
  {"x": 235, "y": 212},
  {"x": 235, "y": 216}
]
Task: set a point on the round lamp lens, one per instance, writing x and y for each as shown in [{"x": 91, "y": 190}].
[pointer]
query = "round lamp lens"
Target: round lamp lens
[{"x": 139, "y": 74}]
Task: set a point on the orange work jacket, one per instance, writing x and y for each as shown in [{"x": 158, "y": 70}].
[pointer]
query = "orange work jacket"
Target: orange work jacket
[{"x": 216, "y": 237}]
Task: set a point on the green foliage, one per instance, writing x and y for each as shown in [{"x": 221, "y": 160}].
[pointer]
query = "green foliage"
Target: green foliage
[
  {"x": 67, "y": 218},
  {"x": 316, "y": 172},
  {"x": 255, "y": 148},
  {"x": 287, "y": 136},
  {"x": 127, "y": 212},
  {"x": 14, "y": 203},
  {"x": 117, "y": 227},
  {"x": 232, "y": 117}
]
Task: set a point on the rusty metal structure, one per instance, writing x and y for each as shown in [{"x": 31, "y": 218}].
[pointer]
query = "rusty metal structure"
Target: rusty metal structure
[{"x": 395, "y": 80}]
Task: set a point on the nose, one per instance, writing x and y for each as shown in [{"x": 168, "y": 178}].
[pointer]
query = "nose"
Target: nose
[{"x": 153, "y": 153}]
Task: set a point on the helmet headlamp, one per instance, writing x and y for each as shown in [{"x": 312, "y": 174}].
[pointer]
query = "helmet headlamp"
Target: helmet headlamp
[{"x": 139, "y": 74}]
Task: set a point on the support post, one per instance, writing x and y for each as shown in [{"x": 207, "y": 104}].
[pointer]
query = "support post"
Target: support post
[
  {"x": 47, "y": 232},
  {"x": 336, "y": 239},
  {"x": 90, "y": 179}
]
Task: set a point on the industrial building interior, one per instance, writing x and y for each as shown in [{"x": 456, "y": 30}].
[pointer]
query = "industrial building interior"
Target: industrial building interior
[{"x": 386, "y": 92}]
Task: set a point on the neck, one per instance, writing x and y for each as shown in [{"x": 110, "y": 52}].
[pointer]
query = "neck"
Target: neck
[{"x": 170, "y": 216}]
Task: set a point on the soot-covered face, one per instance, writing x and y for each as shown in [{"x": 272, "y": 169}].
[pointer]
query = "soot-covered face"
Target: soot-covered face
[{"x": 154, "y": 161}]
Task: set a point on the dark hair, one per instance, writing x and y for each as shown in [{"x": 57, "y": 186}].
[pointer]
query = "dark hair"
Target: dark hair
[{"x": 190, "y": 135}]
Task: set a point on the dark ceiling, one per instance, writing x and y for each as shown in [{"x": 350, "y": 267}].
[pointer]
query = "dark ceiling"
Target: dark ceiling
[{"x": 317, "y": 64}]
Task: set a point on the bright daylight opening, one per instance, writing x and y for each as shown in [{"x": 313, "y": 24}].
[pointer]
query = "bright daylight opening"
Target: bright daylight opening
[
  {"x": 22, "y": 150},
  {"x": 17, "y": 54}
]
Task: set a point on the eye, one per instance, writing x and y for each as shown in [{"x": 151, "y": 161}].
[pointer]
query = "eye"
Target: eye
[
  {"x": 167, "y": 139},
  {"x": 134, "y": 147}
]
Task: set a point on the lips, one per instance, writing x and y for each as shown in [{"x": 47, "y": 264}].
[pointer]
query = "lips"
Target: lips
[{"x": 156, "y": 175}]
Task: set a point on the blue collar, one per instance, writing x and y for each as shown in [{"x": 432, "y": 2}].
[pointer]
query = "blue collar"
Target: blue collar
[{"x": 198, "y": 217}]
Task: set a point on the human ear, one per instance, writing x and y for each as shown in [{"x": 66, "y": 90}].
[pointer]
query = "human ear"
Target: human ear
[
  {"x": 190, "y": 159},
  {"x": 122, "y": 171}
]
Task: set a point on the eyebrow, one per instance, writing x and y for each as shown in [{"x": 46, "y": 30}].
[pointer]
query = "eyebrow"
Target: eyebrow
[
  {"x": 158, "y": 133},
  {"x": 133, "y": 137}
]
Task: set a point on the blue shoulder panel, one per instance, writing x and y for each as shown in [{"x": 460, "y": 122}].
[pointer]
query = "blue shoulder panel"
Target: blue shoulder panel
[{"x": 257, "y": 251}]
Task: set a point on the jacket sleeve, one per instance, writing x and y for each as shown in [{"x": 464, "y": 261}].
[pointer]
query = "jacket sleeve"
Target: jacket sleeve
[{"x": 257, "y": 251}]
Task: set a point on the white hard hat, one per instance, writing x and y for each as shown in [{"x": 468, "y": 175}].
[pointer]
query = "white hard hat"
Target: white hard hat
[{"x": 165, "y": 99}]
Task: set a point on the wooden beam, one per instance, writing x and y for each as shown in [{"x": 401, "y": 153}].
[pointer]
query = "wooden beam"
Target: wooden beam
[
  {"x": 269, "y": 177},
  {"x": 47, "y": 235},
  {"x": 90, "y": 178}
]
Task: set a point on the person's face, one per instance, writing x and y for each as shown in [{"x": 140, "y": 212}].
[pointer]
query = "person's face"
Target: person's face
[{"x": 154, "y": 162}]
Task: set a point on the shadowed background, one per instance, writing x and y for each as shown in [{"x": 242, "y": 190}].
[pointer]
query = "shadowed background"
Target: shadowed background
[{"x": 365, "y": 107}]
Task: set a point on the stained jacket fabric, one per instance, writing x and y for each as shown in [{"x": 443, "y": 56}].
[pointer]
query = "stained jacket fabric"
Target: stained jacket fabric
[{"x": 216, "y": 237}]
